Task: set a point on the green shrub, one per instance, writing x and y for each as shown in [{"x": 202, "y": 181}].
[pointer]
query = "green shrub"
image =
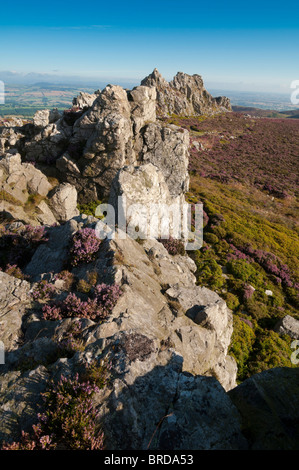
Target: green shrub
[
  {"x": 209, "y": 274},
  {"x": 211, "y": 238},
  {"x": 220, "y": 232},
  {"x": 241, "y": 345},
  {"x": 256, "y": 309},
  {"x": 232, "y": 300},
  {"x": 271, "y": 350},
  {"x": 89, "y": 208},
  {"x": 247, "y": 272}
]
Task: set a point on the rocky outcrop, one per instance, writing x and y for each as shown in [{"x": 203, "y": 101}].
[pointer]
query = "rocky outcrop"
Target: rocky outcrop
[
  {"x": 184, "y": 95},
  {"x": 143, "y": 106},
  {"x": 166, "y": 339},
  {"x": 90, "y": 142},
  {"x": 20, "y": 396},
  {"x": 156, "y": 346}
]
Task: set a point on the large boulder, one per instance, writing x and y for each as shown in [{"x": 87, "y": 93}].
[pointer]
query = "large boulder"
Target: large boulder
[
  {"x": 50, "y": 257},
  {"x": 143, "y": 106},
  {"x": 106, "y": 130},
  {"x": 288, "y": 326},
  {"x": 269, "y": 406},
  {"x": 166, "y": 342},
  {"x": 63, "y": 202}
]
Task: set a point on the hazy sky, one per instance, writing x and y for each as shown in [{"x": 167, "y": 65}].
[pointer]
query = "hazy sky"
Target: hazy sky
[{"x": 249, "y": 45}]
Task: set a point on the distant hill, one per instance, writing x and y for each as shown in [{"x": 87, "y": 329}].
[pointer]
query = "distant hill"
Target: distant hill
[
  {"x": 271, "y": 113},
  {"x": 292, "y": 114}
]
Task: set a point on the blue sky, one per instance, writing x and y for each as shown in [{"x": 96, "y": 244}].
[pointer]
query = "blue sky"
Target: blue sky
[{"x": 252, "y": 45}]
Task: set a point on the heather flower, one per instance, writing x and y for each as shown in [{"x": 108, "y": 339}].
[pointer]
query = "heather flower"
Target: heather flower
[
  {"x": 173, "y": 246},
  {"x": 248, "y": 292},
  {"x": 69, "y": 418},
  {"x": 43, "y": 290},
  {"x": 52, "y": 312},
  {"x": 97, "y": 307},
  {"x": 106, "y": 297},
  {"x": 85, "y": 245}
]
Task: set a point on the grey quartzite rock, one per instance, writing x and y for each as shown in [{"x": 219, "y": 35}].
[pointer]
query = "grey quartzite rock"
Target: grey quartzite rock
[
  {"x": 288, "y": 326},
  {"x": 63, "y": 202},
  {"x": 20, "y": 401},
  {"x": 184, "y": 95},
  {"x": 14, "y": 300}
]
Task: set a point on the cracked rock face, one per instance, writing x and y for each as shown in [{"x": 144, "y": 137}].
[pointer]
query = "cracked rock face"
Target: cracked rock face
[
  {"x": 14, "y": 300},
  {"x": 167, "y": 409}
]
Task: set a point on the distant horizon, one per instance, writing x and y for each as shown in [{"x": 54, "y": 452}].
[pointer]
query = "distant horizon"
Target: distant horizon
[{"x": 12, "y": 78}]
